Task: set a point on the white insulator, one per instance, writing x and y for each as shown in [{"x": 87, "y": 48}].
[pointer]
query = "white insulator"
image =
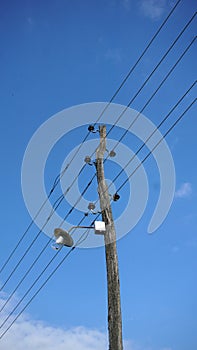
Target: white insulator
[{"x": 60, "y": 240}]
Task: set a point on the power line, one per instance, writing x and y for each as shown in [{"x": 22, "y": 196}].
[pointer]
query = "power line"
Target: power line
[
  {"x": 24, "y": 254},
  {"x": 153, "y": 71},
  {"x": 145, "y": 82},
  {"x": 157, "y": 144},
  {"x": 41, "y": 252},
  {"x": 56, "y": 181},
  {"x": 164, "y": 119},
  {"x": 29, "y": 269},
  {"x": 148, "y": 138},
  {"x": 38, "y": 234},
  {"x": 148, "y": 78},
  {"x": 157, "y": 89},
  {"x": 138, "y": 60},
  {"x": 153, "y": 132},
  {"x": 64, "y": 258},
  {"x": 28, "y": 228},
  {"x": 154, "y": 93},
  {"x": 133, "y": 68},
  {"x": 25, "y": 275},
  {"x": 60, "y": 199},
  {"x": 83, "y": 236},
  {"x": 58, "y": 178},
  {"x": 29, "y": 289}
]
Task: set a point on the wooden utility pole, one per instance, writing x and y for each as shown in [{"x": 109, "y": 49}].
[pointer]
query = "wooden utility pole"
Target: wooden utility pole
[{"x": 113, "y": 284}]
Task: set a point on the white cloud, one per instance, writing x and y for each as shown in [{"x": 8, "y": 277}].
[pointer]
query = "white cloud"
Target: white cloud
[
  {"x": 35, "y": 335},
  {"x": 30, "y": 335},
  {"x": 153, "y": 9},
  {"x": 184, "y": 191}
]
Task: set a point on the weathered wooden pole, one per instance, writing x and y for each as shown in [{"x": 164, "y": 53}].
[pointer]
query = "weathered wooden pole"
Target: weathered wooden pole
[{"x": 113, "y": 284}]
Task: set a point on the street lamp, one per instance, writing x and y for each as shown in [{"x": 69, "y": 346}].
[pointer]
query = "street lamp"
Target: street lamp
[{"x": 63, "y": 237}]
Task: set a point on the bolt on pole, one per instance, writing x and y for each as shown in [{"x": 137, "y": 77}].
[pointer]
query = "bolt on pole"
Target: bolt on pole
[{"x": 113, "y": 284}]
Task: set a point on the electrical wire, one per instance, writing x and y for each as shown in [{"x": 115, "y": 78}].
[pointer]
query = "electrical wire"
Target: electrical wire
[
  {"x": 65, "y": 257},
  {"x": 31, "y": 266},
  {"x": 138, "y": 60},
  {"x": 153, "y": 71},
  {"x": 140, "y": 147},
  {"x": 153, "y": 132},
  {"x": 135, "y": 65},
  {"x": 149, "y": 100},
  {"x": 146, "y": 104},
  {"x": 55, "y": 206},
  {"x": 145, "y": 82},
  {"x": 46, "y": 245},
  {"x": 155, "y": 92},
  {"x": 28, "y": 228},
  {"x": 157, "y": 144},
  {"x": 132, "y": 69},
  {"x": 58, "y": 178},
  {"x": 24, "y": 254},
  {"x": 57, "y": 182},
  {"x": 60, "y": 199},
  {"x": 79, "y": 241},
  {"x": 149, "y": 137}
]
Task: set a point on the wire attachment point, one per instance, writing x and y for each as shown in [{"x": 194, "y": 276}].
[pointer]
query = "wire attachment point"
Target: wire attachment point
[
  {"x": 91, "y": 128},
  {"x": 88, "y": 160},
  {"x": 91, "y": 206},
  {"x": 116, "y": 197},
  {"x": 112, "y": 154}
]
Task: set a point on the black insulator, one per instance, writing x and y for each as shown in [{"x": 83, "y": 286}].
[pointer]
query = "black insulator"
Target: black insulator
[
  {"x": 91, "y": 128},
  {"x": 116, "y": 197}
]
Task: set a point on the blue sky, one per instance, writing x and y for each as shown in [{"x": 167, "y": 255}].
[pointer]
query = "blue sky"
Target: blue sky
[{"x": 58, "y": 55}]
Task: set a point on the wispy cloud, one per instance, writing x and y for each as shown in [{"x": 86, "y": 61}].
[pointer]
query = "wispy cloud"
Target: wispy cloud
[
  {"x": 184, "y": 191},
  {"x": 30, "y": 335},
  {"x": 153, "y": 9}
]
